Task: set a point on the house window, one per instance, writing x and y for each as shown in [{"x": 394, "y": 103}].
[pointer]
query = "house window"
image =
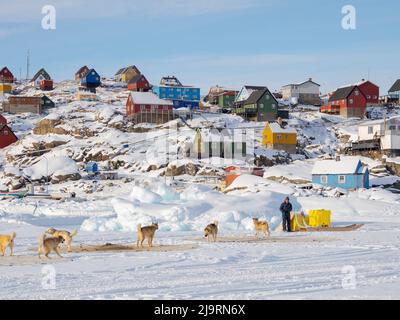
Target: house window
[
  {"x": 279, "y": 137},
  {"x": 5, "y": 132},
  {"x": 392, "y": 128},
  {"x": 342, "y": 179},
  {"x": 370, "y": 130},
  {"x": 351, "y": 101},
  {"x": 357, "y": 92},
  {"x": 368, "y": 97},
  {"x": 324, "y": 179},
  {"x": 267, "y": 96},
  {"x": 273, "y": 106}
]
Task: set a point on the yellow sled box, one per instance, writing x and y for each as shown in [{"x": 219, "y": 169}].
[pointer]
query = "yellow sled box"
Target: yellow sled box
[
  {"x": 298, "y": 221},
  {"x": 319, "y": 218}
]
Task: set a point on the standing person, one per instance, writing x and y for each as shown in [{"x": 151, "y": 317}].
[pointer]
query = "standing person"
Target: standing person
[{"x": 286, "y": 209}]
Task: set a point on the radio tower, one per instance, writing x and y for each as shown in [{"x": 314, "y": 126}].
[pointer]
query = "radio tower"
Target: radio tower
[{"x": 28, "y": 64}]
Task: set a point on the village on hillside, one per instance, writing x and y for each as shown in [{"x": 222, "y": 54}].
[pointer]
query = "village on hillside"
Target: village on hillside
[{"x": 102, "y": 154}]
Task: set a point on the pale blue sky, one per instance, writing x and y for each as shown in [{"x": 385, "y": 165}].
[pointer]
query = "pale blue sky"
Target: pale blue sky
[{"x": 208, "y": 42}]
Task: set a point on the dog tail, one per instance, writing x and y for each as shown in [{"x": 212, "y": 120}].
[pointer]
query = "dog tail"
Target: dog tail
[
  {"x": 12, "y": 236},
  {"x": 74, "y": 233},
  {"x": 216, "y": 223}
]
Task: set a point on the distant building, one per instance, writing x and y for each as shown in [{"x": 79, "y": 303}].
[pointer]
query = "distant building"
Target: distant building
[
  {"x": 371, "y": 92},
  {"x": 7, "y": 136},
  {"x": 142, "y": 107},
  {"x": 394, "y": 91},
  {"x": 256, "y": 103},
  {"x": 126, "y": 74},
  {"x": 46, "y": 85},
  {"x": 277, "y": 136},
  {"x": 182, "y": 96},
  {"x": 350, "y": 100},
  {"x": 21, "y": 104},
  {"x": 81, "y": 73},
  {"x": 139, "y": 83},
  {"x": 6, "y": 76},
  {"x": 303, "y": 93},
  {"x": 91, "y": 79},
  {"x": 348, "y": 174},
  {"x": 5, "y": 88},
  {"x": 386, "y": 131},
  {"x": 41, "y": 75}
]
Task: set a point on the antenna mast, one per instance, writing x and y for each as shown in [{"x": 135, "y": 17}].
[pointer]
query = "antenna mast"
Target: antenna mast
[{"x": 28, "y": 64}]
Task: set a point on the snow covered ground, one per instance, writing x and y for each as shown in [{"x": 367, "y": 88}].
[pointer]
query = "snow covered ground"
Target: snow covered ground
[
  {"x": 362, "y": 264},
  {"x": 295, "y": 266}
]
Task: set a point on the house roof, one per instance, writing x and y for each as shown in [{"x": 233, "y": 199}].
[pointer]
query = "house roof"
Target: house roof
[
  {"x": 255, "y": 87},
  {"x": 136, "y": 78},
  {"x": 342, "y": 93},
  {"x": 255, "y": 96},
  {"x": 299, "y": 84},
  {"x": 82, "y": 69},
  {"x": 5, "y": 68},
  {"x": 41, "y": 72},
  {"x": 395, "y": 87},
  {"x": 276, "y": 128},
  {"x": 149, "y": 98},
  {"x": 123, "y": 70},
  {"x": 380, "y": 121},
  {"x": 344, "y": 166}
]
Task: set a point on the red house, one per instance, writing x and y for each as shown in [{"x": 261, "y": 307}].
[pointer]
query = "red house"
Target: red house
[
  {"x": 148, "y": 107},
  {"x": 139, "y": 83},
  {"x": 81, "y": 73},
  {"x": 46, "y": 85},
  {"x": 351, "y": 101},
  {"x": 371, "y": 92},
  {"x": 6, "y": 76},
  {"x": 7, "y": 137}
]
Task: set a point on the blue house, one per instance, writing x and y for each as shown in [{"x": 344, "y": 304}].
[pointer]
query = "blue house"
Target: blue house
[
  {"x": 182, "y": 96},
  {"x": 92, "y": 168},
  {"x": 91, "y": 79},
  {"x": 349, "y": 173}
]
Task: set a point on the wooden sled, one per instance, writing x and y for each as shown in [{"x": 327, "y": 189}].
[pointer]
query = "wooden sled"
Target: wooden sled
[
  {"x": 110, "y": 247},
  {"x": 352, "y": 227}
]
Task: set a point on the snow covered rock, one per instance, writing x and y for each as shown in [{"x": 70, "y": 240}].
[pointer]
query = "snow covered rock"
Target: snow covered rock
[{"x": 59, "y": 169}]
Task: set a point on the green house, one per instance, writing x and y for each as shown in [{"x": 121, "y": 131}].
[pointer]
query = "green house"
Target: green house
[
  {"x": 256, "y": 104},
  {"x": 227, "y": 99}
]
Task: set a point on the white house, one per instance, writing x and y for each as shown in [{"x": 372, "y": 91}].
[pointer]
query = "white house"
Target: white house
[
  {"x": 304, "y": 93},
  {"x": 386, "y": 130}
]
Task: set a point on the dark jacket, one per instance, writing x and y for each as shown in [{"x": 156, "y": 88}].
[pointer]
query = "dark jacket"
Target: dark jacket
[{"x": 286, "y": 207}]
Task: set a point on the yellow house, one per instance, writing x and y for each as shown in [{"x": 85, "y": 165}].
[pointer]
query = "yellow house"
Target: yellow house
[
  {"x": 127, "y": 74},
  {"x": 5, "y": 88},
  {"x": 278, "y": 137}
]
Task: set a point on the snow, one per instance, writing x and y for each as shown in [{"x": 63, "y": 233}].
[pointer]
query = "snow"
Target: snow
[
  {"x": 276, "y": 128},
  {"x": 57, "y": 166},
  {"x": 288, "y": 266},
  {"x": 149, "y": 98},
  {"x": 344, "y": 166}
]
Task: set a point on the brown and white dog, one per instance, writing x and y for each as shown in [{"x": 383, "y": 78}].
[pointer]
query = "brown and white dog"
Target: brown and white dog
[
  {"x": 66, "y": 235},
  {"x": 261, "y": 226},
  {"x": 47, "y": 245},
  {"x": 7, "y": 241},
  {"x": 146, "y": 233},
  {"x": 211, "y": 231}
]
